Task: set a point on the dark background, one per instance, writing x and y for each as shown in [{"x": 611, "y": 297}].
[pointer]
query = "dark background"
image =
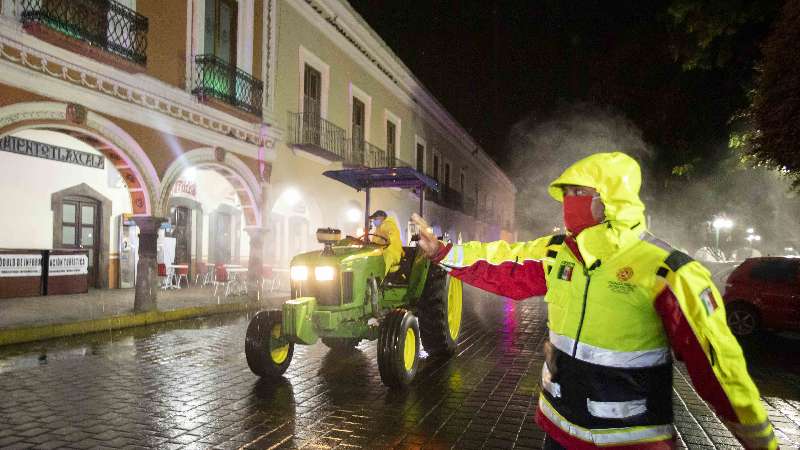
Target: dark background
[{"x": 541, "y": 83}]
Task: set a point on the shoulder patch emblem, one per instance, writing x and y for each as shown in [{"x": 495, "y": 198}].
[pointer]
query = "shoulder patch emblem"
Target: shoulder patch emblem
[
  {"x": 707, "y": 297},
  {"x": 565, "y": 271},
  {"x": 625, "y": 273}
]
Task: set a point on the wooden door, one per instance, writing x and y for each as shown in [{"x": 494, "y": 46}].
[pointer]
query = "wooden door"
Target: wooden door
[{"x": 80, "y": 229}]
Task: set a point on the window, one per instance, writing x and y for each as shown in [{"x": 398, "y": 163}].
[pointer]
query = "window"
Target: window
[
  {"x": 315, "y": 76},
  {"x": 312, "y": 91},
  {"x": 358, "y": 121},
  {"x": 435, "y": 167},
  {"x": 463, "y": 181},
  {"x": 360, "y": 109},
  {"x": 420, "y": 157},
  {"x": 220, "y": 29},
  {"x": 780, "y": 271},
  {"x": 447, "y": 174},
  {"x": 391, "y": 142},
  {"x": 393, "y": 134}
]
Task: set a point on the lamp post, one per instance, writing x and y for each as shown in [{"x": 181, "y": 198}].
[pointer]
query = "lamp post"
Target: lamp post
[{"x": 720, "y": 223}]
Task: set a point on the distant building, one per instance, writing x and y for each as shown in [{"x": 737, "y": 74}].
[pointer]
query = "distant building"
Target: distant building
[{"x": 124, "y": 123}]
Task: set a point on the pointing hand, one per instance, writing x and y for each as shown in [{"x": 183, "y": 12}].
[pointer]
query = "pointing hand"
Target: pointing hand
[{"x": 427, "y": 240}]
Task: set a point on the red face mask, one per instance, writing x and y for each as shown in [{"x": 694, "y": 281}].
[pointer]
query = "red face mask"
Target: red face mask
[{"x": 578, "y": 213}]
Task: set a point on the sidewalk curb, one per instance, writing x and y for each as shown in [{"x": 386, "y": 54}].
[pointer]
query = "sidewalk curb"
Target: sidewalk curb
[{"x": 41, "y": 332}]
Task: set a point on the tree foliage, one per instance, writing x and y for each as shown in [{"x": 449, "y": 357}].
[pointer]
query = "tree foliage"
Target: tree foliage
[{"x": 776, "y": 106}]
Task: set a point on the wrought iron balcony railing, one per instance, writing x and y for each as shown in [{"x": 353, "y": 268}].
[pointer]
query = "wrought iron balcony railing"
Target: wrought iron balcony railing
[
  {"x": 218, "y": 79},
  {"x": 363, "y": 154},
  {"x": 102, "y": 23},
  {"x": 310, "y": 132},
  {"x": 451, "y": 198}
]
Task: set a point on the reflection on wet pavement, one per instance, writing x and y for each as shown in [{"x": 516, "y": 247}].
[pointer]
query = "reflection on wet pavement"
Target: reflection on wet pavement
[{"x": 188, "y": 384}]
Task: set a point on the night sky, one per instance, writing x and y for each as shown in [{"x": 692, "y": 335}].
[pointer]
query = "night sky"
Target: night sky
[{"x": 493, "y": 63}]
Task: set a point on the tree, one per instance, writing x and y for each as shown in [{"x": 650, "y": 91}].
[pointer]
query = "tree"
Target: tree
[{"x": 776, "y": 105}]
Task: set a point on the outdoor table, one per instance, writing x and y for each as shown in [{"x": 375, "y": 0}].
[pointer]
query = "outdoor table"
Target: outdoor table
[
  {"x": 234, "y": 272},
  {"x": 172, "y": 274}
]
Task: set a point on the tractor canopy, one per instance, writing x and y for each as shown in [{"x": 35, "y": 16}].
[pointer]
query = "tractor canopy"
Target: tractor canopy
[{"x": 382, "y": 177}]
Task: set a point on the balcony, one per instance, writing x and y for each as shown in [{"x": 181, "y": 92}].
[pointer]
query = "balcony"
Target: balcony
[
  {"x": 363, "y": 154},
  {"x": 313, "y": 134},
  {"x": 451, "y": 198},
  {"x": 101, "y": 29},
  {"x": 223, "y": 85},
  {"x": 469, "y": 206},
  {"x": 446, "y": 197}
]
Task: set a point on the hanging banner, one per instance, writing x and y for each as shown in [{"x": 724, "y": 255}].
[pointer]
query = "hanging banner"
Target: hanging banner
[
  {"x": 61, "y": 265},
  {"x": 20, "y": 265}
]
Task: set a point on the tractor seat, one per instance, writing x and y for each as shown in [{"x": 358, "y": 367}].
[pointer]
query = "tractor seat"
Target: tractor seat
[{"x": 402, "y": 274}]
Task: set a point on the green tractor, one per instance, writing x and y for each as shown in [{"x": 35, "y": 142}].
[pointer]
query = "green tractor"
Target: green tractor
[{"x": 341, "y": 296}]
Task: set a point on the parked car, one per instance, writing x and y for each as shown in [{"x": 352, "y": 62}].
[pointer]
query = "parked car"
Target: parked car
[{"x": 763, "y": 293}]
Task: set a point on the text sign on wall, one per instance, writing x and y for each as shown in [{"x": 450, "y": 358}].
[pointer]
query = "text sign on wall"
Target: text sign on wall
[
  {"x": 21, "y": 146},
  {"x": 184, "y": 187},
  {"x": 68, "y": 265},
  {"x": 20, "y": 265}
]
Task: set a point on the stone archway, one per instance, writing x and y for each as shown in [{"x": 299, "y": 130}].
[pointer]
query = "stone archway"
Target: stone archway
[
  {"x": 247, "y": 187},
  {"x": 96, "y": 131}
]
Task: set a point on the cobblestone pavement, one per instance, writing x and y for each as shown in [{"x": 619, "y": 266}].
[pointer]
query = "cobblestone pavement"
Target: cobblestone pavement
[{"x": 187, "y": 385}]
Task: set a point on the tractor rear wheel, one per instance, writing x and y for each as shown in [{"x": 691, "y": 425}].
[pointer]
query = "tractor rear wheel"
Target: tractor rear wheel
[
  {"x": 398, "y": 348},
  {"x": 440, "y": 309},
  {"x": 267, "y": 349},
  {"x": 341, "y": 344}
]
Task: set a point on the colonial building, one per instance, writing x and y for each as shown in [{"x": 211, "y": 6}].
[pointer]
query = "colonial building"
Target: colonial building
[{"x": 198, "y": 130}]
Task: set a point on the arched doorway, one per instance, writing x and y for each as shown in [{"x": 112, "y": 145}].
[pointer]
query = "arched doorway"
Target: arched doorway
[{"x": 211, "y": 199}]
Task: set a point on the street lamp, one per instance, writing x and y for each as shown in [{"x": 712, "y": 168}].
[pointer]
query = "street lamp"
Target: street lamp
[{"x": 720, "y": 223}]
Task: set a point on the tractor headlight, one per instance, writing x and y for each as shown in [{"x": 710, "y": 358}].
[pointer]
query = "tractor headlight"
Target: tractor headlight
[
  {"x": 324, "y": 273},
  {"x": 299, "y": 273}
]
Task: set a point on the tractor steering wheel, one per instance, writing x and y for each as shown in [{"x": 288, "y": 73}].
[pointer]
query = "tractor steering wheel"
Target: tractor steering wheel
[
  {"x": 364, "y": 237},
  {"x": 385, "y": 240}
]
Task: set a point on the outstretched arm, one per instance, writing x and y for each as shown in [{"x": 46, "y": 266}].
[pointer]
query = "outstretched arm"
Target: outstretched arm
[
  {"x": 511, "y": 270},
  {"x": 694, "y": 317}
]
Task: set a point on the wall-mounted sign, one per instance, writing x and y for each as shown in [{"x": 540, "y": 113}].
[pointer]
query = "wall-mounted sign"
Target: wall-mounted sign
[
  {"x": 20, "y": 265},
  {"x": 61, "y": 265},
  {"x": 185, "y": 188},
  {"x": 21, "y": 146}
]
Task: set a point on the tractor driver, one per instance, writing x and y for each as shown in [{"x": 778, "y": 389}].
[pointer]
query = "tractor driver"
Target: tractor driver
[{"x": 387, "y": 233}]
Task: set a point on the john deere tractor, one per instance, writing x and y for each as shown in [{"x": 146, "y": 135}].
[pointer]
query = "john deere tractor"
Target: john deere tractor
[{"x": 341, "y": 295}]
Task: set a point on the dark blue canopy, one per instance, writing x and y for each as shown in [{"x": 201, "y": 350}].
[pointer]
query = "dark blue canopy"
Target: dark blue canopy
[{"x": 382, "y": 177}]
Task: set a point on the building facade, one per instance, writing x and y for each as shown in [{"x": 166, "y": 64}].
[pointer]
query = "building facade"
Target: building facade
[{"x": 196, "y": 132}]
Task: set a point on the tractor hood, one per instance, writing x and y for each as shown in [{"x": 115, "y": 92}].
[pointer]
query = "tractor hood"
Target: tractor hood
[{"x": 341, "y": 255}]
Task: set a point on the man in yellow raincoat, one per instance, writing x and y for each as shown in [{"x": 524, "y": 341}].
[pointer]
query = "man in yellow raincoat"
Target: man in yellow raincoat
[
  {"x": 387, "y": 233},
  {"x": 620, "y": 303}
]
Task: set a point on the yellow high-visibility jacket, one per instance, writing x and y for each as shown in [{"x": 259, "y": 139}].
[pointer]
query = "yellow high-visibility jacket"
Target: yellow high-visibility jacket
[
  {"x": 620, "y": 302},
  {"x": 393, "y": 252}
]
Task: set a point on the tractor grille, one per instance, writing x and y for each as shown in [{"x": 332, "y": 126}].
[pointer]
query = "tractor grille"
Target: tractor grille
[
  {"x": 326, "y": 292},
  {"x": 347, "y": 287}
]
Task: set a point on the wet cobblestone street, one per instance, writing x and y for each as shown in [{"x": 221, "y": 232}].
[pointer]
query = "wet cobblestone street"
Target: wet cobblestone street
[{"x": 187, "y": 385}]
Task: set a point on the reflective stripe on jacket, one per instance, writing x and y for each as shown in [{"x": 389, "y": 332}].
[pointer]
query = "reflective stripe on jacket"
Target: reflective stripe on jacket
[{"x": 618, "y": 300}]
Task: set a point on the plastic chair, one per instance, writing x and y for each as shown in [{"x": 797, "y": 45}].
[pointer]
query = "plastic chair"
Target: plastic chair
[
  {"x": 181, "y": 273},
  {"x": 166, "y": 282},
  {"x": 221, "y": 277},
  {"x": 202, "y": 271},
  {"x": 268, "y": 277}
]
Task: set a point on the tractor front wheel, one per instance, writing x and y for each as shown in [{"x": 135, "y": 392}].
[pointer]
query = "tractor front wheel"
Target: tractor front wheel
[
  {"x": 398, "y": 348},
  {"x": 268, "y": 351}
]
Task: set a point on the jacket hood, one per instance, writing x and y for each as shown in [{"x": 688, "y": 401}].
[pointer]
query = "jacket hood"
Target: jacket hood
[{"x": 617, "y": 178}]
